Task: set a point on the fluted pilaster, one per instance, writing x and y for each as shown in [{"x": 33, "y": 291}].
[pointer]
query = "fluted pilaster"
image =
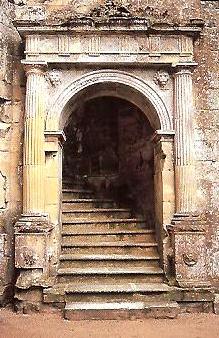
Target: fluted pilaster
[
  {"x": 34, "y": 156},
  {"x": 184, "y": 142}
]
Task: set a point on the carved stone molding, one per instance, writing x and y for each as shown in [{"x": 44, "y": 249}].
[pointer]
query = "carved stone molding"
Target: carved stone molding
[
  {"x": 109, "y": 76},
  {"x": 33, "y": 224},
  {"x": 116, "y": 48},
  {"x": 35, "y": 68}
]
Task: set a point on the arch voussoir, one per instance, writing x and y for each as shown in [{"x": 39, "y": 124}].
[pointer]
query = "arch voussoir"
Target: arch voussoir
[{"x": 136, "y": 84}]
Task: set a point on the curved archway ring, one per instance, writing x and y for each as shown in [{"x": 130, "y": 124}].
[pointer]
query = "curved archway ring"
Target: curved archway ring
[{"x": 109, "y": 77}]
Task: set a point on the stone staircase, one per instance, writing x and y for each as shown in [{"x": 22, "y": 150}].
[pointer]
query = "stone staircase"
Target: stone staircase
[{"x": 109, "y": 262}]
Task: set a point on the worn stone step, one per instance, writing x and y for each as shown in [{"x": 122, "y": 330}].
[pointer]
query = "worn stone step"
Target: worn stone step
[
  {"x": 105, "y": 238},
  {"x": 62, "y": 293},
  {"x": 96, "y": 214},
  {"x": 110, "y": 271},
  {"x": 106, "y": 264},
  {"x": 110, "y": 278},
  {"x": 120, "y": 310},
  {"x": 95, "y": 231},
  {"x": 73, "y": 185},
  {"x": 68, "y": 193},
  {"x": 82, "y": 204},
  {"x": 106, "y": 250},
  {"x": 117, "y": 296},
  {"x": 116, "y": 291},
  {"x": 111, "y": 287},
  {"x": 73, "y": 182},
  {"x": 104, "y": 225},
  {"x": 107, "y": 275},
  {"x": 93, "y": 257},
  {"x": 115, "y": 244}
]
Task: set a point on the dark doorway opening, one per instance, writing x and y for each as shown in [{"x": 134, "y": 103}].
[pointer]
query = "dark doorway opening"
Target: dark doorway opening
[{"x": 108, "y": 148}]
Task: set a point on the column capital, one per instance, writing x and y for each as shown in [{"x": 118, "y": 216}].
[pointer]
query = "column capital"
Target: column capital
[
  {"x": 38, "y": 68},
  {"x": 184, "y": 68}
]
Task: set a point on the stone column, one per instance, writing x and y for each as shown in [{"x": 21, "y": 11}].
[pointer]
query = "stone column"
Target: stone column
[
  {"x": 184, "y": 142},
  {"x": 33, "y": 230},
  {"x": 187, "y": 229},
  {"x": 34, "y": 154}
]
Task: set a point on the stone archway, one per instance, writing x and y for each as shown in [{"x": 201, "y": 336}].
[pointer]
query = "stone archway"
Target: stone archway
[
  {"x": 124, "y": 86},
  {"x": 141, "y": 92},
  {"x": 38, "y": 232}
]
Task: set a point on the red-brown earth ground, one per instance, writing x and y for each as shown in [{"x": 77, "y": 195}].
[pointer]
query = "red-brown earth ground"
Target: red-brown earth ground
[{"x": 50, "y": 324}]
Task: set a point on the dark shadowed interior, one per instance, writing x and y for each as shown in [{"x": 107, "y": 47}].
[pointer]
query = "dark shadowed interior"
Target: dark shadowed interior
[{"x": 108, "y": 147}]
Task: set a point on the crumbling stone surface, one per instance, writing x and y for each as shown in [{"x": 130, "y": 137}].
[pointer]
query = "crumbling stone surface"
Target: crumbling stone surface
[
  {"x": 49, "y": 11},
  {"x": 206, "y": 84},
  {"x": 10, "y": 147},
  {"x": 216, "y": 304}
]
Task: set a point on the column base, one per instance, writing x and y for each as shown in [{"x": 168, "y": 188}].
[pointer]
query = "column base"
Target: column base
[
  {"x": 33, "y": 223},
  {"x": 28, "y": 300},
  {"x": 188, "y": 238},
  {"x": 32, "y": 255}
]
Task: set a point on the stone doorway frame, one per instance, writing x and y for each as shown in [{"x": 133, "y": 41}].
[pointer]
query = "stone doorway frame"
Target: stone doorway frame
[
  {"x": 162, "y": 139},
  {"x": 174, "y": 140}
]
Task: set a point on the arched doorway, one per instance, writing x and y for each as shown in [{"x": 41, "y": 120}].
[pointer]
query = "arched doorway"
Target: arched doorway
[
  {"x": 113, "y": 207},
  {"x": 126, "y": 92},
  {"x": 108, "y": 202}
]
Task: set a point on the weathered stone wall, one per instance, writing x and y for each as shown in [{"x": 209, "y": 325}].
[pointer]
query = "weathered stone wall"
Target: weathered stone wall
[
  {"x": 55, "y": 10},
  {"x": 206, "y": 81},
  {"x": 11, "y": 129}
]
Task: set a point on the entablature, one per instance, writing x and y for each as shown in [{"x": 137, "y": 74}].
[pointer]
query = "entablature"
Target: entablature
[
  {"x": 109, "y": 33},
  {"x": 108, "y": 47}
]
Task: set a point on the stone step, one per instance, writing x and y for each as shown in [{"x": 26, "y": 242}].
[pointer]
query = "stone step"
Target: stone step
[
  {"x": 110, "y": 271},
  {"x": 110, "y": 278},
  {"x": 72, "y": 185},
  {"x": 112, "y": 287},
  {"x": 115, "y": 244},
  {"x": 83, "y": 204},
  {"x": 104, "y": 225},
  {"x": 106, "y": 275},
  {"x": 76, "y": 231},
  {"x": 68, "y": 193},
  {"x": 105, "y": 238},
  {"x": 120, "y": 310},
  {"x": 106, "y": 264},
  {"x": 126, "y": 249},
  {"x": 71, "y": 182},
  {"x": 117, "y": 296},
  {"x": 96, "y": 214},
  {"x": 107, "y": 292},
  {"x": 113, "y": 257},
  {"x": 55, "y": 295}
]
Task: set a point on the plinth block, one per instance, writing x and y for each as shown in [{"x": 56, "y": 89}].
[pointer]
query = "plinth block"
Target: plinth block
[{"x": 188, "y": 237}]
